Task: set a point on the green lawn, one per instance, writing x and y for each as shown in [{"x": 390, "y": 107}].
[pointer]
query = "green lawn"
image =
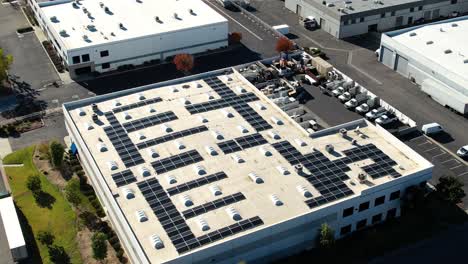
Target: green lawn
[{"x": 60, "y": 219}]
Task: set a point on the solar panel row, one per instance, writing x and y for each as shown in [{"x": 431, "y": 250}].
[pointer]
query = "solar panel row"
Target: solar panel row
[
  {"x": 210, "y": 206},
  {"x": 136, "y": 105},
  {"x": 196, "y": 183},
  {"x": 123, "y": 178},
  {"x": 172, "y": 136},
  {"x": 176, "y": 161},
  {"x": 242, "y": 143},
  {"x": 149, "y": 121}
]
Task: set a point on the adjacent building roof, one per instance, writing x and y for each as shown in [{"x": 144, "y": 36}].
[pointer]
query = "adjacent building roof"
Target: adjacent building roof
[
  {"x": 196, "y": 163},
  {"x": 11, "y": 223},
  {"x": 93, "y": 22}
]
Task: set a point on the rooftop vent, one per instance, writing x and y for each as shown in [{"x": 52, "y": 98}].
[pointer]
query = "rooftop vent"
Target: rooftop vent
[
  {"x": 106, "y": 9},
  {"x": 329, "y": 148},
  {"x": 211, "y": 151},
  {"x": 412, "y": 34},
  {"x": 265, "y": 151},
  {"x": 430, "y": 42},
  {"x": 85, "y": 10},
  {"x": 199, "y": 169},
  {"x": 274, "y": 135},
  {"x": 237, "y": 158},
  {"x": 175, "y": 90},
  {"x": 176, "y": 16},
  {"x": 101, "y": 4},
  {"x": 186, "y": 200},
  {"x": 54, "y": 19},
  {"x": 303, "y": 191},
  {"x": 144, "y": 171},
  {"x": 199, "y": 85},
  {"x": 152, "y": 152},
  {"x": 171, "y": 179},
  {"x": 141, "y": 216},
  {"x": 112, "y": 165},
  {"x": 233, "y": 213},
  {"x": 166, "y": 128},
  {"x": 210, "y": 96},
  {"x": 121, "y": 26},
  {"x": 95, "y": 108},
  {"x": 242, "y": 129},
  {"x": 448, "y": 51},
  {"x": 141, "y": 96},
  {"x": 454, "y": 25},
  {"x": 276, "y": 120},
  {"x": 283, "y": 170},
  {"x": 362, "y": 177},
  {"x": 255, "y": 178},
  {"x": 215, "y": 190},
  {"x": 156, "y": 242},
  {"x": 192, "y": 12},
  {"x": 299, "y": 168},
  {"x": 152, "y": 109},
  {"x": 88, "y": 126},
  {"x": 127, "y": 116},
  {"x": 158, "y": 19},
  {"x": 241, "y": 89},
  {"x": 300, "y": 142},
  {"x": 63, "y": 33},
  {"x": 117, "y": 103},
  {"x": 128, "y": 193},
  {"x": 86, "y": 38},
  {"x": 75, "y": 5},
  {"x": 343, "y": 132},
  {"x": 275, "y": 199},
  {"x": 102, "y": 147},
  {"x": 179, "y": 144},
  {"x": 81, "y": 112},
  {"x": 91, "y": 28},
  {"x": 203, "y": 119},
  {"x": 227, "y": 113},
  {"x": 185, "y": 101},
  {"x": 260, "y": 106},
  {"x": 218, "y": 135},
  {"x": 141, "y": 136},
  {"x": 203, "y": 224}
]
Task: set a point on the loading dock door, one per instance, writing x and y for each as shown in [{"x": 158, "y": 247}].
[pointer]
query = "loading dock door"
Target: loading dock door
[
  {"x": 401, "y": 65},
  {"x": 387, "y": 56}
]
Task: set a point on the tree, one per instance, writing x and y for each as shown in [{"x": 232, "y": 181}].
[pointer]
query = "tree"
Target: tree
[
  {"x": 72, "y": 192},
  {"x": 45, "y": 237},
  {"x": 414, "y": 197},
  {"x": 235, "y": 37},
  {"x": 327, "y": 236},
  {"x": 34, "y": 183},
  {"x": 450, "y": 188},
  {"x": 99, "y": 246},
  {"x": 184, "y": 62},
  {"x": 56, "y": 153},
  {"x": 5, "y": 62},
  {"x": 90, "y": 220},
  {"x": 284, "y": 45},
  {"x": 58, "y": 255}
]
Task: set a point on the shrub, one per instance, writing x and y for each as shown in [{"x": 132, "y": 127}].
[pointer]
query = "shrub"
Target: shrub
[
  {"x": 56, "y": 153},
  {"x": 58, "y": 255},
  {"x": 119, "y": 253},
  {"x": 34, "y": 183},
  {"x": 72, "y": 192},
  {"x": 450, "y": 189},
  {"x": 98, "y": 244},
  {"x": 45, "y": 237},
  {"x": 235, "y": 37},
  {"x": 100, "y": 212}
]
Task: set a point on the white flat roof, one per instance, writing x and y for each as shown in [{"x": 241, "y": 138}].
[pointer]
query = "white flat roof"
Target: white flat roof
[
  {"x": 137, "y": 17},
  {"x": 444, "y": 44},
  {"x": 11, "y": 223},
  {"x": 130, "y": 136}
]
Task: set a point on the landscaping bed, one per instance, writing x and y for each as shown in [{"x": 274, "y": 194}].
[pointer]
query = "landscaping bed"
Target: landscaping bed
[
  {"x": 57, "y": 61},
  {"x": 21, "y": 126}
]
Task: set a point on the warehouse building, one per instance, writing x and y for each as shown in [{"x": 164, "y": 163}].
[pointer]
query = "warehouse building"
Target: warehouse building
[
  {"x": 434, "y": 56},
  {"x": 349, "y": 18},
  {"x": 12, "y": 243},
  {"x": 93, "y": 35},
  {"x": 206, "y": 169}
]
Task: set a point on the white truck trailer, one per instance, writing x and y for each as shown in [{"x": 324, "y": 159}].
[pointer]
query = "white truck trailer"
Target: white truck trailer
[{"x": 446, "y": 96}]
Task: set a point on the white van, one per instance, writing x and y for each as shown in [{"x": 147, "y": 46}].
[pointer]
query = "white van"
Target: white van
[{"x": 432, "y": 128}]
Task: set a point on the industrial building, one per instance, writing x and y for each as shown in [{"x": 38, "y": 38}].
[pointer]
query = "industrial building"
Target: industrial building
[
  {"x": 349, "y": 18},
  {"x": 12, "y": 243},
  {"x": 101, "y": 35},
  {"x": 434, "y": 56},
  {"x": 207, "y": 169}
]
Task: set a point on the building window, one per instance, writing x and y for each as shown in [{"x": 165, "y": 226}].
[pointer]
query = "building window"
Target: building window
[
  {"x": 353, "y": 21},
  {"x": 85, "y": 57},
  {"x": 76, "y": 59},
  {"x": 361, "y": 20},
  {"x": 106, "y": 65},
  {"x": 364, "y": 206},
  {"x": 348, "y": 211},
  {"x": 104, "y": 53},
  {"x": 382, "y": 15},
  {"x": 420, "y": 8},
  {"x": 391, "y": 213},
  {"x": 345, "y": 230},
  {"x": 346, "y": 22},
  {"x": 453, "y": 2},
  {"x": 395, "y": 195},
  {"x": 361, "y": 224},
  {"x": 376, "y": 218},
  {"x": 411, "y": 9},
  {"x": 393, "y": 13},
  {"x": 380, "y": 200}
]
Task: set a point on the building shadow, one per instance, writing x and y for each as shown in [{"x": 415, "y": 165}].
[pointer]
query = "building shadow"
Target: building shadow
[{"x": 442, "y": 137}]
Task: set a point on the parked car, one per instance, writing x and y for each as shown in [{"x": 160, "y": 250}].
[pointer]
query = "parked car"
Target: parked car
[
  {"x": 376, "y": 113},
  {"x": 310, "y": 22},
  {"x": 362, "y": 109},
  {"x": 432, "y": 128},
  {"x": 351, "y": 104},
  {"x": 386, "y": 119},
  {"x": 338, "y": 91},
  {"x": 463, "y": 151},
  {"x": 345, "y": 97}
]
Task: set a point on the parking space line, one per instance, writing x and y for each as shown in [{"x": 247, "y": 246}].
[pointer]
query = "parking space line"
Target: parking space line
[
  {"x": 456, "y": 167},
  {"x": 425, "y": 143},
  {"x": 416, "y": 138},
  {"x": 443, "y": 153},
  {"x": 463, "y": 173},
  {"x": 427, "y": 150},
  {"x": 445, "y": 161},
  {"x": 224, "y": 13}
]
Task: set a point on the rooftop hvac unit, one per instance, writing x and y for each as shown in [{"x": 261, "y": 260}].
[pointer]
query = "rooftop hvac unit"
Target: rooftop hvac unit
[
  {"x": 102, "y": 147},
  {"x": 127, "y": 116},
  {"x": 156, "y": 242},
  {"x": 166, "y": 128},
  {"x": 203, "y": 224},
  {"x": 141, "y": 136},
  {"x": 117, "y": 103},
  {"x": 329, "y": 148},
  {"x": 186, "y": 86},
  {"x": 215, "y": 190},
  {"x": 152, "y": 109},
  {"x": 128, "y": 193},
  {"x": 300, "y": 142},
  {"x": 144, "y": 171},
  {"x": 275, "y": 199},
  {"x": 185, "y": 101},
  {"x": 179, "y": 144},
  {"x": 227, "y": 113},
  {"x": 81, "y": 112},
  {"x": 186, "y": 200},
  {"x": 63, "y": 33},
  {"x": 362, "y": 177},
  {"x": 88, "y": 126},
  {"x": 265, "y": 151},
  {"x": 233, "y": 214},
  {"x": 347, "y": 2},
  {"x": 112, "y": 165},
  {"x": 152, "y": 153},
  {"x": 299, "y": 168},
  {"x": 303, "y": 191},
  {"x": 260, "y": 106},
  {"x": 354, "y": 142},
  {"x": 203, "y": 119},
  {"x": 175, "y": 90},
  {"x": 91, "y": 28},
  {"x": 95, "y": 118},
  {"x": 158, "y": 19},
  {"x": 343, "y": 132},
  {"x": 276, "y": 121},
  {"x": 283, "y": 170},
  {"x": 454, "y": 25},
  {"x": 218, "y": 135},
  {"x": 199, "y": 169},
  {"x": 237, "y": 158},
  {"x": 171, "y": 179},
  {"x": 101, "y": 4},
  {"x": 255, "y": 178},
  {"x": 242, "y": 129},
  {"x": 106, "y": 9},
  {"x": 141, "y": 216},
  {"x": 274, "y": 135},
  {"x": 85, "y": 38},
  {"x": 241, "y": 89},
  {"x": 210, "y": 96},
  {"x": 211, "y": 151}
]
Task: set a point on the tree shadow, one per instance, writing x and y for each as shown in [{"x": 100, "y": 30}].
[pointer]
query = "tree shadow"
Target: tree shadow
[
  {"x": 34, "y": 257},
  {"x": 58, "y": 255},
  {"x": 44, "y": 200}
]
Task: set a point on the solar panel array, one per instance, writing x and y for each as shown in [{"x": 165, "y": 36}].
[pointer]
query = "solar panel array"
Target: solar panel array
[
  {"x": 252, "y": 117},
  {"x": 124, "y": 146},
  {"x": 242, "y": 143},
  {"x": 376, "y": 171},
  {"x": 176, "y": 161},
  {"x": 123, "y": 178},
  {"x": 223, "y": 102},
  {"x": 149, "y": 121},
  {"x": 172, "y": 136},
  {"x": 210, "y": 206},
  {"x": 196, "y": 183},
  {"x": 136, "y": 105}
]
